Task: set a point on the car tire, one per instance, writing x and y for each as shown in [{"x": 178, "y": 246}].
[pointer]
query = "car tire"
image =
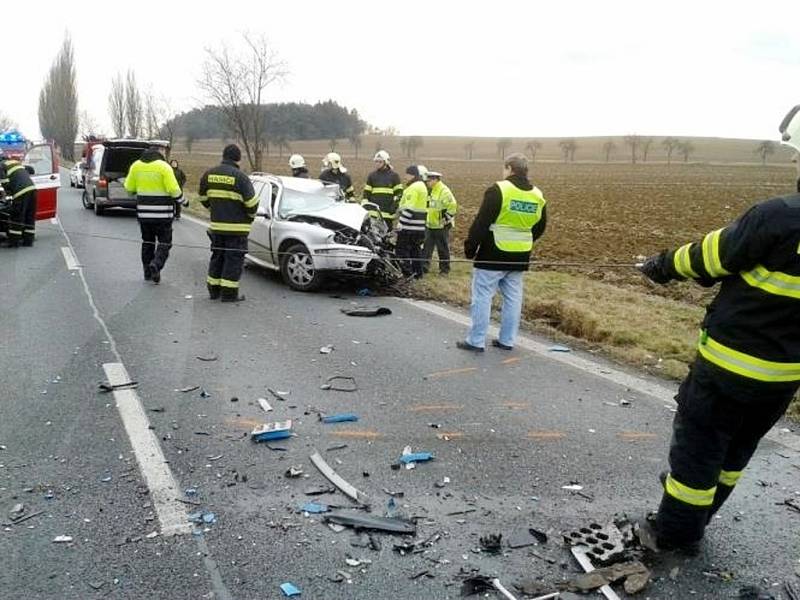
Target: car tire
[
  {"x": 98, "y": 210},
  {"x": 297, "y": 269},
  {"x": 85, "y": 200},
  {"x": 72, "y": 184}
]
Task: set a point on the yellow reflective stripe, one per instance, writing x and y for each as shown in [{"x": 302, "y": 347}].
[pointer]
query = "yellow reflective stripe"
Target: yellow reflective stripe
[
  {"x": 227, "y": 283},
  {"x": 14, "y": 169},
  {"x": 367, "y": 188},
  {"x": 223, "y": 179},
  {"x": 711, "y": 259},
  {"x": 382, "y": 190},
  {"x": 15, "y": 231},
  {"x": 231, "y": 227},
  {"x": 689, "y": 495},
  {"x": 25, "y": 190},
  {"x": 729, "y": 478},
  {"x": 225, "y": 195},
  {"x": 251, "y": 203},
  {"x": 212, "y": 280},
  {"x": 773, "y": 282},
  {"x": 683, "y": 262},
  {"x": 746, "y": 365}
]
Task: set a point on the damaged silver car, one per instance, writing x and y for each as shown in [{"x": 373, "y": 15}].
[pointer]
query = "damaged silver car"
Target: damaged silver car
[{"x": 305, "y": 229}]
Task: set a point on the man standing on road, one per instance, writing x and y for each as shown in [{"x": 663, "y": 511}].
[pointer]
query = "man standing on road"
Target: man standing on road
[
  {"x": 334, "y": 172},
  {"x": 500, "y": 241},
  {"x": 20, "y": 190},
  {"x": 383, "y": 188},
  {"x": 298, "y": 166},
  {"x": 748, "y": 365},
  {"x": 228, "y": 193},
  {"x": 413, "y": 211},
  {"x": 180, "y": 177},
  {"x": 157, "y": 191},
  {"x": 442, "y": 209}
]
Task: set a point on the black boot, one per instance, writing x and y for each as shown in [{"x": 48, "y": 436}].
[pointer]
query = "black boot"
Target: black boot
[
  {"x": 155, "y": 274},
  {"x": 213, "y": 291},
  {"x": 231, "y": 295},
  {"x": 148, "y": 274}
]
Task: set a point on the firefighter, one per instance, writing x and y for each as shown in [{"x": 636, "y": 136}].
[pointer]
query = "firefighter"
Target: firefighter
[
  {"x": 383, "y": 188},
  {"x": 20, "y": 190},
  {"x": 747, "y": 366},
  {"x": 298, "y": 166},
  {"x": 411, "y": 217},
  {"x": 228, "y": 193},
  {"x": 180, "y": 177},
  {"x": 511, "y": 218},
  {"x": 157, "y": 191},
  {"x": 442, "y": 209},
  {"x": 334, "y": 172}
]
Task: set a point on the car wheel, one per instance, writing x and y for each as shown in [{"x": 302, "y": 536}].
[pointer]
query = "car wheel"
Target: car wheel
[
  {"x": 85, "y": 199},
  {"x": 297, "y": 269},
  {"x": 71, "y": 183},
  {"x": 98, "y": 210}
]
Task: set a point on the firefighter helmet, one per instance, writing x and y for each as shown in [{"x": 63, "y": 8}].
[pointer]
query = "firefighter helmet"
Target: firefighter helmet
[
  {"x": 382, "y": 156},
  {"x": 296, "y": 161}
]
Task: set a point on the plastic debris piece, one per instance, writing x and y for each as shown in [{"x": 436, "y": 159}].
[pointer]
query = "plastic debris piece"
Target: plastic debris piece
[
  {"x": 314, "y": 508},
  {"x": 293, "y": 472},
  {"x": 415, "y": 457},
  {"x": 107, "y": 387},
  {"x": 326, "y": 349},
  {"x": 262, "y": 402},
  {"x": 290, "y": 589},
  {"x": 331, "y": 475},
  {"x": 559, "y": 348},
  {"x": 367, "y": 311},
  {"x": 151, "y": 535},
  {"x": 362, "y": 521},
  {"x": 204, "y": 394},
  {"x": 492, "y": 543},
  {"x": 190, "y": 492},
  {"x": 527, "y": 537},
  {"x": 572, "y": 487},
  {"x": 210, "y": 358},
  {"x": 319, "y": 490},
  {"x": 17, "y": 510},
  {"x": 341, "y": 383},
  {"x": 62, "y": 539},
  {"x": 189, "y": 388},
  {"x": 272, "y": 431},
  {"x": 340, "y": 418}
]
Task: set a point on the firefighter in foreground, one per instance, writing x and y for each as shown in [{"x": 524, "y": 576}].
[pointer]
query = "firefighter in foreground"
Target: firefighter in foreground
[
  {"x": 412, "y": 214},
  {"x": 747, "y": 367},
  {"x": 157, "y": 191},
  {"x": 334, "y": 172},
  {"x": 442, "y": 209},
  {"x": 383, "y": 188},
  {"x": 228, "y": 193},
  {"x": 19, "y": 188},
  {"x": 298, "y": 166}
]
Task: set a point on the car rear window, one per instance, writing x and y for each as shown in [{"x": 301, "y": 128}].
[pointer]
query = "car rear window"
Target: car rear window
[{"x": 119, "y": 160}]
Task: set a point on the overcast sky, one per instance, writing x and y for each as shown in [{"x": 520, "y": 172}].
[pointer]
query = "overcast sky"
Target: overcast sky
[{"x": 499, "y": 68}]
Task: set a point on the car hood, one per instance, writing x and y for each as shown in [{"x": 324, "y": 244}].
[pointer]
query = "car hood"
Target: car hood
[{"x": 351, "y": 215}]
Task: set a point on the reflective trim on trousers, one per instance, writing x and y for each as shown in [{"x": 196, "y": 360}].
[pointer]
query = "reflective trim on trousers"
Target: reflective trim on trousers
[{"x": 689, "y": 495}]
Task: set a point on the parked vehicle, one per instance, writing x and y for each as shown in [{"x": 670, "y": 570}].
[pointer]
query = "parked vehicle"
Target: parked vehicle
[
  {"x": 106, "y": 171},
  {"x": 306, "y": 230},
  {"x": 76, "y": 176}
]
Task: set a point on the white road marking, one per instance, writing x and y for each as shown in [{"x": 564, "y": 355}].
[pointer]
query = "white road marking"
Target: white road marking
[
  {"x": 194, "y": 219},
  {"x": 660, "y": 392},
  {"x": 70, "y": 258},
  {"x": 54, "y": 221},
  {"x": 164, "y": 490}
]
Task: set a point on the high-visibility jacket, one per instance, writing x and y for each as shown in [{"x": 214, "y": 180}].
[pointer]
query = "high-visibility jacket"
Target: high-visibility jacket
[
  {"x": 340, "y": 177},
  {"x": 228, "y": 193},
  {"x": 751, "y": 328},
  {"x": 413, "y": 209},
  {"x": 15, "y": 179},
  {"x": 383, "y": 188},
  {"x": 519, "y": 212},
  {"x": 442, "y": 206},
  {"x": 156, "y": 188}
]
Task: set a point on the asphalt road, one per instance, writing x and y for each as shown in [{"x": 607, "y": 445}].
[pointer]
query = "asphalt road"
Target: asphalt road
[{"x": 508, "y": 430}]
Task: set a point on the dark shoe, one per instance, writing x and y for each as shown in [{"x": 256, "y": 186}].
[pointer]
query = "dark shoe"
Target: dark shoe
[
  {"x": 648, "y": 537},
  {"x": 229, "y": 298},
  {"x": 155, "y": 274},
  {"x": 468, "y": 347},
  {"x": 148, "y": 274},
  {"x": 213, "y": 292},
  {"x": 498, "y": 344}
]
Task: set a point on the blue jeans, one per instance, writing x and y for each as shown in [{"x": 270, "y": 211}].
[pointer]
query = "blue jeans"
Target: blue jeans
[{"x": 484, "y": 286}]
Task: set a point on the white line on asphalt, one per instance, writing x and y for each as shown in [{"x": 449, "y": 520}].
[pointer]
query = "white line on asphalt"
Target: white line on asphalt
[
  {"x": 164, "y": 490},
  {"x": 653, "y": 389},
  {"x": 54, "y": 221},
  {"x": 70, "y": 258},
  {"x": 194, "y": 220}
]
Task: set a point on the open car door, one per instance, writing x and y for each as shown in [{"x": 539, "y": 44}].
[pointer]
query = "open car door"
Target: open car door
[{"x": 42, "y": 158}]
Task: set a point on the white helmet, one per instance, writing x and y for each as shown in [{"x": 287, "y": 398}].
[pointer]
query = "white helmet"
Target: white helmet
[
  {"x": 296, "y": 161},
  {"x": 382, "y": 156},
  {"x": 423, "y": 172},
  {"x": 332, "y": 161}
]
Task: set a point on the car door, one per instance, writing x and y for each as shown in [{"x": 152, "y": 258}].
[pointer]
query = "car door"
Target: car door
[
  {"x": 259, "y": 243},
  {"x": 46, "y": 178}
]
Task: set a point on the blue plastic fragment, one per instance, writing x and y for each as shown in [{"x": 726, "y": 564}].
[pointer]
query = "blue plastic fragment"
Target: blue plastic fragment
[
  {"x": 416, "y": 457},
  {"x": 209, "y": 518},
  {"x": 195, "y": 517},
  {"x": 314, "y": 508},
  {"x": 289, "y": 589},
  {"x": 190, "y": 492},
  {"x": 272, "y": 435},
  {"x": 202, "y": 516},
  {"x": 341, "y": 418}
]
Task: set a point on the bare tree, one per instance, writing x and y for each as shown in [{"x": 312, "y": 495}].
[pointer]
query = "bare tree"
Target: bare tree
[
  {"x": 332, "y": 143},
  {"x": 685, "y": 149},
  {"x": 236, "y": 80},
  {"x": 116, "y": 105},
  {"x": 134, "y": 106},
  {"x": 532, "y": 147},
  {"x": 166, "y": 115},
  {"x": 88, "y": 125},
  {"x": 356, "y": 142},
  {"x": 151, "y": 116},
  {"x": 645, "y": 144},
  {"x": 6, "y": 122},
  {"x": 58, "y": 101},
  {"x": 608, "y": 149},
  {"x": 503, "y": 144},
  {"x": 191, "y": 136},
  {"x": 469, "y": 149},
  {"x": 282, "y": 143},
  {"x": 414, "y": 143},
  {"x": 568, "y": 147},
  {"x": 765, "y": 149},
  {"x": 670, "y": 144},
  {"x": 632, "y": 141}
]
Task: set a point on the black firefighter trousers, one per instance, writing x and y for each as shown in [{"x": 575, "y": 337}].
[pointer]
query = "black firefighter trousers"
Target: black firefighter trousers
[
  {"x": 22, "y": 220},
  {"x": 226, "y": 264},
  {"x": 409, "y": 251},
  {"x": 156, "y": 243},
  {"x": 721, "y": 418}
]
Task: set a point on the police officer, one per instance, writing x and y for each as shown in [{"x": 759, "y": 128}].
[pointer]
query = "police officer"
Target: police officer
[
  {"x": 511, "y": 217},
  {"x": 411, "y": 217},
  {"x": 747, "y": 366},
  {"x": 20, "y": 190},
  {"x": 298, "y": 166},
  {"x": 334, "y": 172},
  {"x": 228, "y": 193},
  {"x": 442, "y": 209},
  {"x": 383, "y": 188},
  {"x": 157, "y": 191},
  {"x": 180, "y": 177}
]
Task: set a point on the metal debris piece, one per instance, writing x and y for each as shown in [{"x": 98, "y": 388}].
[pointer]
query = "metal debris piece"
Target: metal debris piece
[
  {"x": 272, "y": 431},
  {"x": 791, "y": 503},
  {"x": 62, "y": 539},
  {"x": 211, "y": 358},
  {"x": 579, "y": 552},
  {"x": 481, "y": 584},
  {"x": 293, "y": 472},
  {"x": 791, "y": 590},
  {"x": 336, "y": 383},
  {"x": 331, "y": 475},
  {"x": 336, "y": 447},
  {"x": 362, "y": 521},
  {"x": 527, "y": 537},
  {"x": 277, "y": 394},
  {"x": 17, "y": 510},
  {"x": 367, "y": 311},
  {"x": 23, "y": 518},
  {"x": 189, "y": 388},
  {"x": 396, "y": 494},
  {"x": 326, "y": 349},
  {"x": 573, "y": 487},
  {"x": 492, "y": 543},
  {"x": 603, "y": 544},
  {"x": 107, "y": 387},
  {"x": 340, "y": 418}
]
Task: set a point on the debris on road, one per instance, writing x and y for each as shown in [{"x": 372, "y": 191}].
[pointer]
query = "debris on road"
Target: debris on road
[
  {"x": 314, "y": 508},
  {"x": 364, "y": 292},
  {"x": 319, "y": 490},
  {"x": 189, "y": 388},
  {"x": 277, "y": 394},
  {"x": 278, "y": 430},
  {"x": 492, "y": 543},
  {"x": 409, "y": 458},
  {"x": 573, "y": 487},
  {"x": 336, "y": 447},
  {"x": 16, "y": 511},
  {"x": 559, "y": 348},
  {"x": 262, "y": 402},
  {"x": 443, "y": 483},
  {"x": 210, "y": 358},
  {"x": 480, "y": 584},
  {"x": 107, "y": 387},
  {"x": 527, "y": 537},
  {"x": 367, "y": 311},
  {"x": 202, "y": 517},
  {"x": 365, "y": 540},
  {"x": 62, "y": 539},
  {"x": 791, "y": 503},
  {"x": 23, "y": 518},
  {"x": 326, "y": 349},
  {"x": 336, "y": 384},
  {"x": 753, "y": 592},
  {"x": 531, "y": 587},
  {"x": 792, "y": 592},
  {"x": 331, "y": 475},
  {"x": 340, "y": 418},
  {"x": 204, "y": 394},
  {"x": 293, "y": 472},
  {"x": 290, "y": 589},
  {"x": 604, "y": 544},
  {"x": 362, "y": 521}
]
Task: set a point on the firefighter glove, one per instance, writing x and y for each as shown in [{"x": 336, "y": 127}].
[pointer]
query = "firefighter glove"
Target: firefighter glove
[{"x": 654, "y": 268}]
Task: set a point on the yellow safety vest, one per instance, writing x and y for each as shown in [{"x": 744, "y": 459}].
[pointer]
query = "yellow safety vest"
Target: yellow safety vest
[
  {"x": 520, "y": 211},
  {"x": 440, "y": 200}
]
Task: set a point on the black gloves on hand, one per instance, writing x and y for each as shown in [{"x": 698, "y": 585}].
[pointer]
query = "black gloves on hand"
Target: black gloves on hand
[{"x": 655, "y": 269}]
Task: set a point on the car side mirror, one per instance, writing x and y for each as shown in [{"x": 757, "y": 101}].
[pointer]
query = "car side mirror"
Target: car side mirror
[{"x": 30, "y": 170}]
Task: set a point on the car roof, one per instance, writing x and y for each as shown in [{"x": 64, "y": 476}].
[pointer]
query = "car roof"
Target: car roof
[
  {"x": 135, "y": 143},
  {"x": 299, "y": 184}
]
